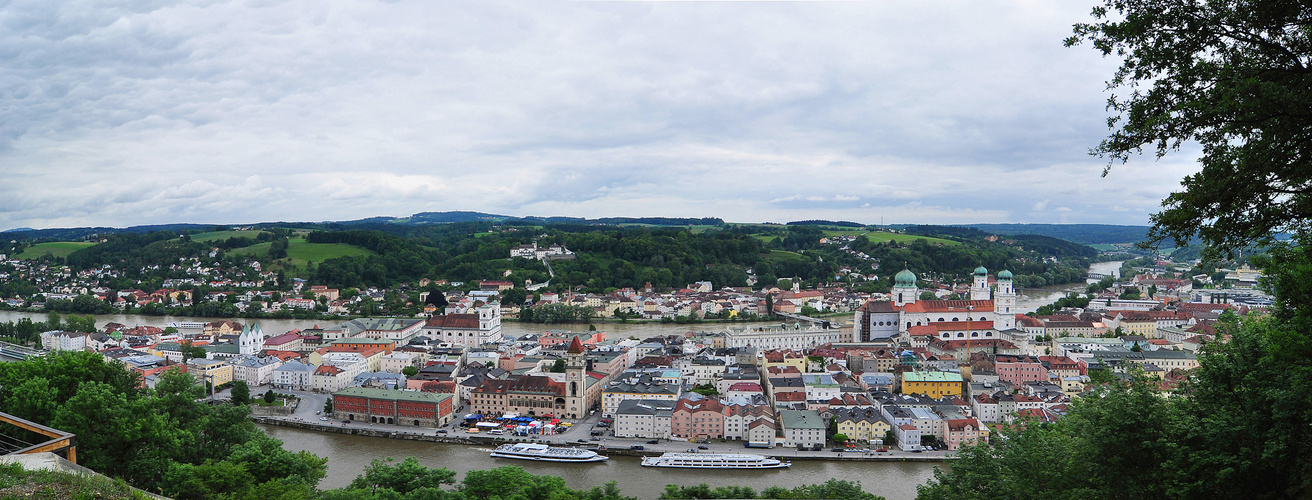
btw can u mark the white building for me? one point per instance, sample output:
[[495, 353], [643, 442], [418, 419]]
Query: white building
[[397, 361], [472, 326], [294, 375], [255, 370], [642, 418], [63, 341], [802, 427], [790, 337]]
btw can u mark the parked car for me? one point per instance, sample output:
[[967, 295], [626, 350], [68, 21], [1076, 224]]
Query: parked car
[[325, 419], [346, 421], [837, 450], [441, 431], [652, 441], [703, 448], [882, 450], [583, 441], [638, 447]]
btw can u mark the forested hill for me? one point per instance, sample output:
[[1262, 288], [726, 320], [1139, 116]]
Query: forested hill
[[1088, 234], [605, 257]]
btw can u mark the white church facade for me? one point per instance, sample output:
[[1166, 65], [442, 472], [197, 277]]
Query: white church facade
[[987, 314]]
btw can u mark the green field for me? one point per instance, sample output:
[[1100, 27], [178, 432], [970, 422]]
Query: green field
[[299, 252], [223, 235], [59, 249], [908, 238]]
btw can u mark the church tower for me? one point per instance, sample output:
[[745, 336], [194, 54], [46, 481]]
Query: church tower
[[251, 340], [1004, 303], [979, 290], [576, 387], [904, 288]]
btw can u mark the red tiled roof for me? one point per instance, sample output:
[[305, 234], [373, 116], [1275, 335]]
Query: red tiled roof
[[469, 321]]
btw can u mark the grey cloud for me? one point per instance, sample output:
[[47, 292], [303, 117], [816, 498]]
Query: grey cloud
[[933, 112]]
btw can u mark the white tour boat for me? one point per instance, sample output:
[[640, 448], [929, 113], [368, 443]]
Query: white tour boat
[[542, 452], [714, 461]]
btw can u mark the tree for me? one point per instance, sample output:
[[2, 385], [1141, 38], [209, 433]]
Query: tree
[[269, 396], [840, 438], [328, 406], [409, 371], [403, 477], [558, 366], [1231, 76], [241, 393]]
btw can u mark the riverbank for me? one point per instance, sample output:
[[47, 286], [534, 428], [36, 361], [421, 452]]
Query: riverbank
[[616, 451]]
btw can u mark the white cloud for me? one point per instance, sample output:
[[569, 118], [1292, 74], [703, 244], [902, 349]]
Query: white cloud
[[218, 111]]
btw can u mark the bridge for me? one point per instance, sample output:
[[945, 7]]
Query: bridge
[[1099, 276], [19, 352]]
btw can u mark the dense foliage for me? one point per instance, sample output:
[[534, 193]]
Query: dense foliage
[[164, 439], [1230, 76]]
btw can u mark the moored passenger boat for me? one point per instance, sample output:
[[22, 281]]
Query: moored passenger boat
[[542, 452], [714, 461]]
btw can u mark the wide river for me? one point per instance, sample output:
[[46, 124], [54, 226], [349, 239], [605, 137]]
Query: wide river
[[349, 455]]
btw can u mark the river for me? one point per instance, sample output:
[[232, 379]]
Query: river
[[349, 455], [1029, 299]]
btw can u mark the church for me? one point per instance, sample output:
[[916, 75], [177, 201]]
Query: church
[[986, 315]]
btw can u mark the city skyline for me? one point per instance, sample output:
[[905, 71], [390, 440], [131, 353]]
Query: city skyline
[[946, 112]]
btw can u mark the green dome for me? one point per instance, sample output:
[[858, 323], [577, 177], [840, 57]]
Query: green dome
[[1004, 275], [905, 278], [980, 271]]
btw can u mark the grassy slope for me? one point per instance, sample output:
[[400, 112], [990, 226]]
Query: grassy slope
[[55, 248], [223, 235], [15, 482], [300, 252]]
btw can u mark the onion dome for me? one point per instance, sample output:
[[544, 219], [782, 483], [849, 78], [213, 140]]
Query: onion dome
[[980, 271], [1004, 275], [905, 278]]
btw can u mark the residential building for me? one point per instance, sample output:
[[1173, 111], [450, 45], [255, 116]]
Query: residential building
[[932, 384], [861, 424], [254, 370], [963, 431], [697, 418], [294, 375], [802, 427], [217, 372], [643, 418]]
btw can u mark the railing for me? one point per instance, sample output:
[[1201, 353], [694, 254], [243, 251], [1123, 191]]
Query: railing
[[60, 440]]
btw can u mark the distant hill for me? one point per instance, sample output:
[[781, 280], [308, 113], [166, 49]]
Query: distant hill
[[1088, 234]]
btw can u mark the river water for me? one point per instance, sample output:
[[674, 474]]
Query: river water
[[349, 455]]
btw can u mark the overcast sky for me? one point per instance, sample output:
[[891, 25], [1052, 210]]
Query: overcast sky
[[229, 112]]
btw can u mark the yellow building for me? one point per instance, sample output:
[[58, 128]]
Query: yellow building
[[861, 424], [211, 370], [932, 384]]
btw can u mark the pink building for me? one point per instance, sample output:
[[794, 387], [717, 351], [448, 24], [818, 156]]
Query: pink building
[[556, 338], [1020, 369], [697, 419], [963, 431]]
